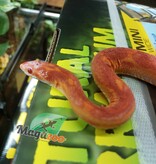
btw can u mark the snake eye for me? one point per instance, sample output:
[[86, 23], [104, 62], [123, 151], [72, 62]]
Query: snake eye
[[29, 70]]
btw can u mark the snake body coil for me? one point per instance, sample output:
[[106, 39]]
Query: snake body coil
[[105, 65]]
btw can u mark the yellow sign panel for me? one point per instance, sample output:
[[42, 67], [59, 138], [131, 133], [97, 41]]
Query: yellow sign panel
[[137, 35]]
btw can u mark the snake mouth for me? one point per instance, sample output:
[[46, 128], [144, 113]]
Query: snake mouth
[[22, 66], [26, 69]]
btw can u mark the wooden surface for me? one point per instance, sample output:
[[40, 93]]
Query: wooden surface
[[60, 3], [55, 3], [151, 3]]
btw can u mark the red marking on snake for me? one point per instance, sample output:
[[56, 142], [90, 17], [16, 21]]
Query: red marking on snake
[[105, 66]]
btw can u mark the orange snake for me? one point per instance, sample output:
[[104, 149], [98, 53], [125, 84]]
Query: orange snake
[[105, 65]]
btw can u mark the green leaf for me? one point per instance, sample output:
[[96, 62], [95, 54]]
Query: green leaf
[[7, 5], [4, 2], [4, 23], [35, 1], [3, 48]]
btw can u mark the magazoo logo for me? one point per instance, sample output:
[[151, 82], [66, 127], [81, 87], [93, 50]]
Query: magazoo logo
[[45, 126]]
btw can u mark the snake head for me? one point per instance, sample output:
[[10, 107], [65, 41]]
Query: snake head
[[47, 72], [32, 68]]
